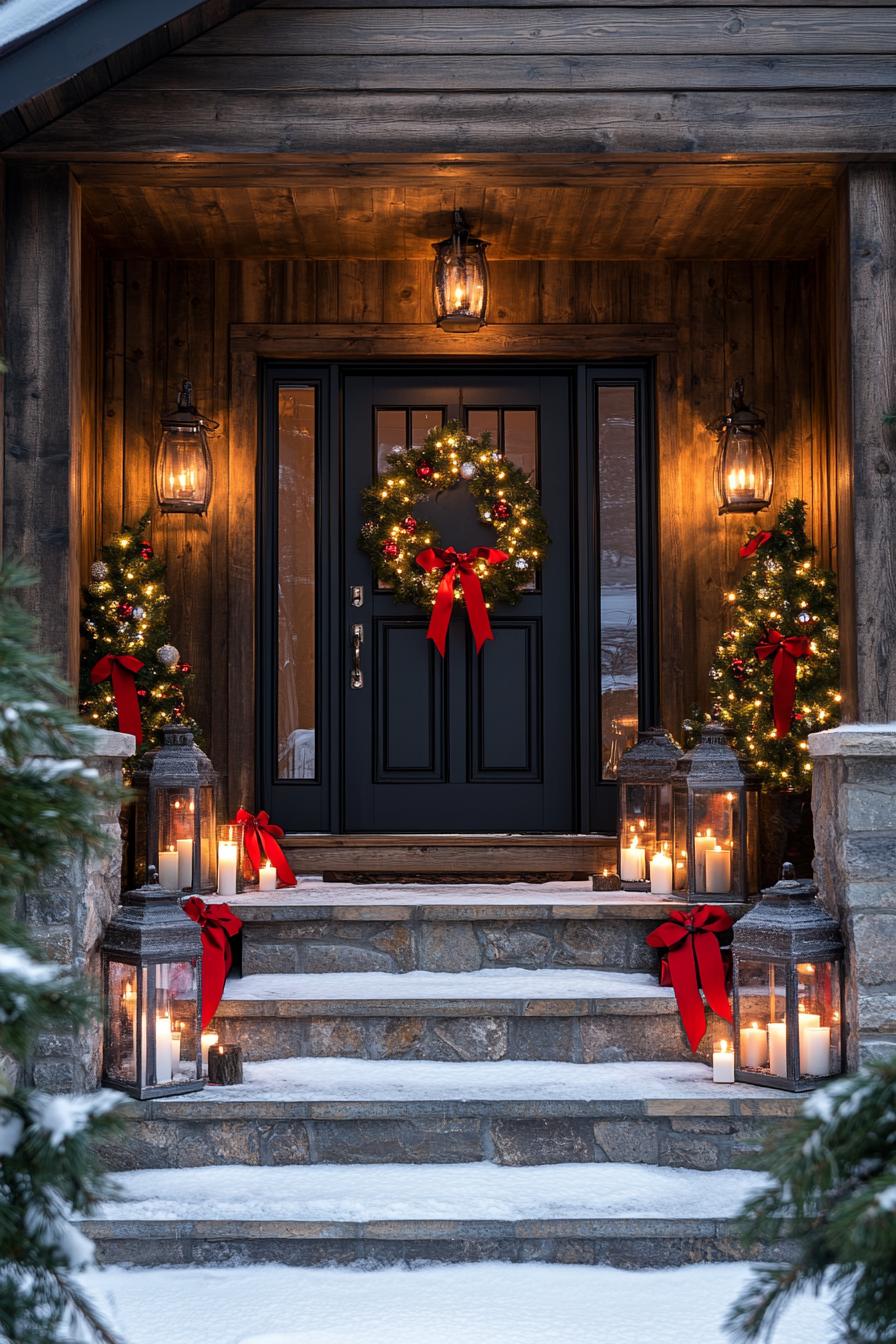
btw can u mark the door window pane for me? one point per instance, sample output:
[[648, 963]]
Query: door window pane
[[421, 423], [296, 590], [391, 433], [520, 444], [484, 422], [616, 458]]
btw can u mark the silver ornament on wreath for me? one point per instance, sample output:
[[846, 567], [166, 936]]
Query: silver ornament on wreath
[[99, 570], [520, 563], [468, 470], [168, 655]]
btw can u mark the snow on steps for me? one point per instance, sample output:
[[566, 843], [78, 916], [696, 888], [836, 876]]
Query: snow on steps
[[609, 1213], [573, 1015]]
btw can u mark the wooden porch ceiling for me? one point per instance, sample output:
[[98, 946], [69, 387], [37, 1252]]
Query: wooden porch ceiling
[[654, 219]]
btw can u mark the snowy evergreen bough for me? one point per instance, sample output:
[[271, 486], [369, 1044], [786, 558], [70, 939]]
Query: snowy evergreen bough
[[48, 1166], [834, 1197]]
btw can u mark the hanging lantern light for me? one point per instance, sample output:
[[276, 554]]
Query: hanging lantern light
[[460, 279], [745, 473], [183, 460]]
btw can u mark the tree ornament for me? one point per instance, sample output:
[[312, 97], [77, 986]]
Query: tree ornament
[[168, 655], [99, 570], [368, 528], [186, 668], [468, 470], [410, 524], [146, 551], [139, 613], [125, 609], [804, 617], [424, 469], [391, 548], [738, 669], [501, 510], [142, 692], [90, 627]]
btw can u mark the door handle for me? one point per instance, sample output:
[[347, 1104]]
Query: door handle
[[357, 677]]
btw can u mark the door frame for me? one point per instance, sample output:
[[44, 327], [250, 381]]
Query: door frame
[[596, 801]]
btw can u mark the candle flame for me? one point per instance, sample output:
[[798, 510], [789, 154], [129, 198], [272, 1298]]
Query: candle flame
[[723, 1047], [755, 1026]]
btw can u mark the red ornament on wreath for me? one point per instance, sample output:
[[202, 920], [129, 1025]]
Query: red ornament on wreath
[[410, 525], [501, 510], [424, 470], [390, 549]]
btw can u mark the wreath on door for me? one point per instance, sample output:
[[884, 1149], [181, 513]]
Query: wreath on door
[[506, 500]]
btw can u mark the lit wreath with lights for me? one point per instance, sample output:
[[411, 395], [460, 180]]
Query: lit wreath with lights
[[505, 499]]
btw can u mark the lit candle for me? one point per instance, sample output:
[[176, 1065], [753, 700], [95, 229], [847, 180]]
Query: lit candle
[[753, 1046], [228, 853], [163, 1049], [815, 1051], [207, 1040], [184, 864], [701, 844], [632, 865], [661, 874], [718, 870], [777, 1049], [723, 1064], [807, 1021], [175, 1049], [169, 868], [267, 877]]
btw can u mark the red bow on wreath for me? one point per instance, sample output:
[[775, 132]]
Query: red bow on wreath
[[752, 546], [217, 924], [690, 940], [784, 651], [260, 833], [459, 565], [123, 669]]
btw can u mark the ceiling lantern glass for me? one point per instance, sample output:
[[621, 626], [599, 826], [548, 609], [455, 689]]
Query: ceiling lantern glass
[[745, 473], [183, 461], [460, 279]]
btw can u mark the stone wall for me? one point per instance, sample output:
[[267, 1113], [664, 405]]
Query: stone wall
[[854, 812], [67, 914]]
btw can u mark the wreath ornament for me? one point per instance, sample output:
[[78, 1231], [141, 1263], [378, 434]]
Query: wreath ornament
[[407, 553]]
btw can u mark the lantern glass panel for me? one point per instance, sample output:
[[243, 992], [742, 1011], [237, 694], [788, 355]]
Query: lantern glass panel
[[168, 1020], [762, 1006], [819, 1014], [207, 851], [184, 470], [639, 814], [716, 821], [745, 470], [120, 1057], [234, 868], [751, 806]]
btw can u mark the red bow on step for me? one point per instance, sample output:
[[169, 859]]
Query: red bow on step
[[261, 833], [459, 565], [123, 669], [752, 546], [690, 940], [218, 924], [784, 652]]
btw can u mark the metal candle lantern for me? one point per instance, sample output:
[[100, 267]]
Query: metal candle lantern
[[715, 820], [645, 805], [789, 992], [183, 459], [745, 472], [460, 279], [152, 995], [174, 817]]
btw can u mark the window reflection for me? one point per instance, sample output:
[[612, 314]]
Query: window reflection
[[296, 595], [616, 455]]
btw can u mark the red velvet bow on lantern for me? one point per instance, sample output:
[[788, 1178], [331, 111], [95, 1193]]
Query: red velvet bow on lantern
[[695, 962], [123, 669], [784, 651], [752, 546], [217, 924], [459, 565], [260, 833]]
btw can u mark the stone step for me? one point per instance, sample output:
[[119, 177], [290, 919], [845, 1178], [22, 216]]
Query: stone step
[[512, 1113], [615, 1214], [323, 927], [578, 1016]]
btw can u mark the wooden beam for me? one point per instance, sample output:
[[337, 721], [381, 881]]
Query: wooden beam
[[41, 507], [872, 314], [345, 341]]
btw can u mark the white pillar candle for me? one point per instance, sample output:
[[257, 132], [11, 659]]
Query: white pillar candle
[[807, 1021], [753, 1046], [661, 874], [632, 865], [718, 870], [815, 1051], [163, 1049], [723, 1064], [228, 853], [267, 877], [777, 1049], [184, 864], [169, 869], [701, 844], [208, 1039]]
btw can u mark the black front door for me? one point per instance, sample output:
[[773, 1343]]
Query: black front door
[[471, 742]]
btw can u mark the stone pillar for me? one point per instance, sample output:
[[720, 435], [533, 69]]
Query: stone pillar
[[854, 808], [67, 915]]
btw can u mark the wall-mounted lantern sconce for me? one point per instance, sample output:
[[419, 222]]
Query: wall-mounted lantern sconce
[[745, 473], [460, 279], [183, 461]]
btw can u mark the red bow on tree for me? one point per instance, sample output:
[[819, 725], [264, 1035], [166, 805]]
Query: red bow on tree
[[123, 669], [690, 939], [217, 924], [784, 651], [752, 546], [459, 565], [260, 833]]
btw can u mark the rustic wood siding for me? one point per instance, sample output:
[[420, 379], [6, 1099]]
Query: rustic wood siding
[[161, 318]]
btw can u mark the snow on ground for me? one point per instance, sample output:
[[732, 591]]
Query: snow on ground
[[444, 1304], [498, 1080], [510, 983], [313, 891], [463, 1191]]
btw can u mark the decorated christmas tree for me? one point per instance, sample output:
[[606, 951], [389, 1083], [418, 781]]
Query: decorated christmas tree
[[132, 677], [776, 671]]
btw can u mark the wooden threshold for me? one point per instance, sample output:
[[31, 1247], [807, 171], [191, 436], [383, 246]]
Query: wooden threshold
[[450, 858]]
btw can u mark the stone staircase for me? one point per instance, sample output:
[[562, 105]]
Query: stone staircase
[[445, 1074]]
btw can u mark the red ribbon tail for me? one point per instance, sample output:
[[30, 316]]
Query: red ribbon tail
[[124, 688], [683, 971], [217, 960], [477, 612], [783, 691], [442, 611], [278, 859], [712, 974]]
